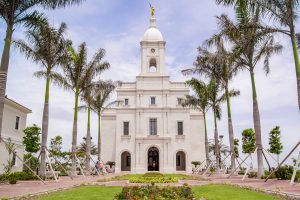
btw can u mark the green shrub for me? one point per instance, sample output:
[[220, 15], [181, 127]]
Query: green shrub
[[21, 176], [111, 163], [196, 163], [252, 175], [144, 179], [12, 179], [153, 174], [284, 173], [155, 193], [212, 169], [242, 171], [267, 173], [3, 178]]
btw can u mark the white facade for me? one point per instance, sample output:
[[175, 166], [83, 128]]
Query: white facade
[[13, 124], [151, 131]]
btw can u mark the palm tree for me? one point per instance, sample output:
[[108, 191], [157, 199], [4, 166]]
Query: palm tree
[[216, 98], [254, 44], [220, 66], [82, 148], [78, 73], [21, 12], [284, 13], [100, 102], [47, 47], [199, 101], [86, 97]]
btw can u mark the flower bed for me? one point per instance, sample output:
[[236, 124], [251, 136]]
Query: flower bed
[[155, 193], [153, 180]]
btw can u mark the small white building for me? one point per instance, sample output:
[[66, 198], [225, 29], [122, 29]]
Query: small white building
[[13, 124], [151, 131]]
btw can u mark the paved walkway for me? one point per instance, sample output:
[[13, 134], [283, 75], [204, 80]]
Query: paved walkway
[[35, 187]]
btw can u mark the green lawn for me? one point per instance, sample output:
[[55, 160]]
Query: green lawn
[[85, 193], [223, 192], [209, 192]]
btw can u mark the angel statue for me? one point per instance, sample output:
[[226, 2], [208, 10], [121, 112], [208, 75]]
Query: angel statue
[[152, 10]]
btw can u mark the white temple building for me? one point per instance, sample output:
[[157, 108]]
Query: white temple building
[[13, 124], [150, 130]]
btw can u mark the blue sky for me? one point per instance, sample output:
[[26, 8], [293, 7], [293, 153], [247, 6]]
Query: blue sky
[[118, 26]]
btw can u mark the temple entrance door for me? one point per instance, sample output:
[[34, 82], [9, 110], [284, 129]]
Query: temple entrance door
[[153, 159]]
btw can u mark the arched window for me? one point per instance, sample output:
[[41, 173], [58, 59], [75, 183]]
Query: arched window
[[153, 65]]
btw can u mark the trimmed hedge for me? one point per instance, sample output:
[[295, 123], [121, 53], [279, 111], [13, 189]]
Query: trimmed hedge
[[286, 172], [17, 176], [153, 180], [156, 193]]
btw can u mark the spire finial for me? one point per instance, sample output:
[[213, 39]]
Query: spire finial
[[152, 10]]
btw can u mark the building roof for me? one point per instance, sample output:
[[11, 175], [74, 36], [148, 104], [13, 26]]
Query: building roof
[[16, 105], [153, 34]]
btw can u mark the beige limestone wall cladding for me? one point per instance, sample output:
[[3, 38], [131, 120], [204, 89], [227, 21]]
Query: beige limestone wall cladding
[[168, 150]]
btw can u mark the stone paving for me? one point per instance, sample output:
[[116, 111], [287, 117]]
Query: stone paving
[[36, 187]]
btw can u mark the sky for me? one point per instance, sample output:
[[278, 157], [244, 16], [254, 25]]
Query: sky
[[118, 26]]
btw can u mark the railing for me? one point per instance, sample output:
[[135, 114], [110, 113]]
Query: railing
[[127, 85], [178, 85]]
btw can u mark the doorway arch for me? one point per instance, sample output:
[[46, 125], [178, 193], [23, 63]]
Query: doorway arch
[[125, 161], [180, 161], [153, 159]]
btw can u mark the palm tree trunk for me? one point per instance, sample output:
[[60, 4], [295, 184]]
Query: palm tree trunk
[[4, 70], [88, 138], [297, 64], [99, 136], [230, 129], [257, 127], [74, 135], [206, 140], [217, 152], [45, 124]]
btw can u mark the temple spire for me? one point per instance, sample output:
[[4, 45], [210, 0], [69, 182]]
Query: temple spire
[[152, 22]]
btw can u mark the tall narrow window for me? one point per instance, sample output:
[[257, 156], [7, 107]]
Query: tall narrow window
[[153, 100], [179, 101], [13, 161], [153, 126], [126, 128], [17, 124], [126, 102], [180, 128]]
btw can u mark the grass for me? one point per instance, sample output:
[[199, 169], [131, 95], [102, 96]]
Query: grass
[[223, 192], [209, 192], [85, 193]]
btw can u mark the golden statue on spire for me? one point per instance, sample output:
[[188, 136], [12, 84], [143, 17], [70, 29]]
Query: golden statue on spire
[[152, 10]]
